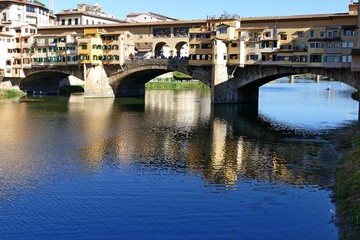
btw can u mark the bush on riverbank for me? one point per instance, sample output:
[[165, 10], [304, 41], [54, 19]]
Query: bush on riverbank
[[11, 93], [181, 76], [356, 96], [347, 194], [175, 85]]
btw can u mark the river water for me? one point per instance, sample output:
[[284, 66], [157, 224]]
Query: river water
[[173, 166]]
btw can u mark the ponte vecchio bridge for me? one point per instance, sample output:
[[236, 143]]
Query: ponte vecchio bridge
[[234, 56]]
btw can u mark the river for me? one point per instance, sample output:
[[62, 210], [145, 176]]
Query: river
[[173, 166]]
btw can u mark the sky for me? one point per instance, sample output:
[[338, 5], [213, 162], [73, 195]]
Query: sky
[[200, 9]]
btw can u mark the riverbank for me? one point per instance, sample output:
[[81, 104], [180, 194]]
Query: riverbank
[[10, 93], [175, 86], [347, 191]]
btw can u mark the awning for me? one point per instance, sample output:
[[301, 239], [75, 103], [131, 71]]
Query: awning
[[144, 47]]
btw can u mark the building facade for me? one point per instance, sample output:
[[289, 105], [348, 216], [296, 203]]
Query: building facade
[[86, 14]]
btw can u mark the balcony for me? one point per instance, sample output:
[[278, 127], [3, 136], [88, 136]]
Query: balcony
[[269, 50], [299, 49]]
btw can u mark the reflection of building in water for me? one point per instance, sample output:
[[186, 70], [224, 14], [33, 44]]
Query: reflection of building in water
[[179, 108], [171, 134]]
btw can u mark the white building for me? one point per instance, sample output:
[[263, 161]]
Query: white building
[[25, 11], [86, 14], [148, 17], [15, 43]]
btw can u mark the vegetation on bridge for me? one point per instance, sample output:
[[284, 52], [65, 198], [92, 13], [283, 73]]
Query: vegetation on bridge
[[347, 194]]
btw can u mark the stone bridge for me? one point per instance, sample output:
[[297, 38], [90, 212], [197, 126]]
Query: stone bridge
[[229, 83]]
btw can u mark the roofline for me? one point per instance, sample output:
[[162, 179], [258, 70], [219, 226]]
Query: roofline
[[296, 17], [90, 15], [26, 3], [128, 24], [152, 13]]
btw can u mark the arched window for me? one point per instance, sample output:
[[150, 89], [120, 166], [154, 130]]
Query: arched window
[[94, 46], [95, 57]]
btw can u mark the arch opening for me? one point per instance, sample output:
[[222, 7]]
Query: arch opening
[[48, 82], [162, 50], [182, 50]]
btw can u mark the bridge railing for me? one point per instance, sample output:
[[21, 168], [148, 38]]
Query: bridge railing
[[162, 62]]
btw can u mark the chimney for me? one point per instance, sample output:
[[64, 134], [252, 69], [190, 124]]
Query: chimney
[[353, 8]]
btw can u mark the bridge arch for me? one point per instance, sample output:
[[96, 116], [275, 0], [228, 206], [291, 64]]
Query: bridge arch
[[131, 81], [249, 79], [182, 49], [48, 81], [162, 49]]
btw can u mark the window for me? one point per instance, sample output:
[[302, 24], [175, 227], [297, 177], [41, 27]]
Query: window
[[346, 58], [69, 21], [30, 8], [322, 34], [62, 21], [223, 30], [347, 44], [234, 45], [315, 58], [312, 34], [76, 21], [253, 57], [349, 32], [301, 34], [332, 59], [233, 56], [83, 47], [316, 45], [283, 37]]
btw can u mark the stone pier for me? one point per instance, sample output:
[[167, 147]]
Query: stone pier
[[96, 83]]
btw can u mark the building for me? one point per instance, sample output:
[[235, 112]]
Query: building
[[25, 11], [55, 49], [101, 47], [86, 14], [19, 22], [320, 40], [148, 17]]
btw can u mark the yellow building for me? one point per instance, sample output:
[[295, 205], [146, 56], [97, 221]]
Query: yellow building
[[101, 47], [90, 48]]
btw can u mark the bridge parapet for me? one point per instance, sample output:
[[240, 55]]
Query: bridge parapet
[[153, 62]]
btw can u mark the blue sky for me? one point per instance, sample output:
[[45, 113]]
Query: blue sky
[[201, 8]]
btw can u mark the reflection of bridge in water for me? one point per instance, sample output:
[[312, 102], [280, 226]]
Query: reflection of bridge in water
[[223, 144]]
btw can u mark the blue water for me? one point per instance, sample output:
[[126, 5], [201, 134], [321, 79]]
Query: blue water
[[171, 167]]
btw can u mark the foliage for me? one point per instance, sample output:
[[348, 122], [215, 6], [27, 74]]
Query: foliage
[[11, 93], [181, 76], [347, 194], [175, 85], [356, 96]]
